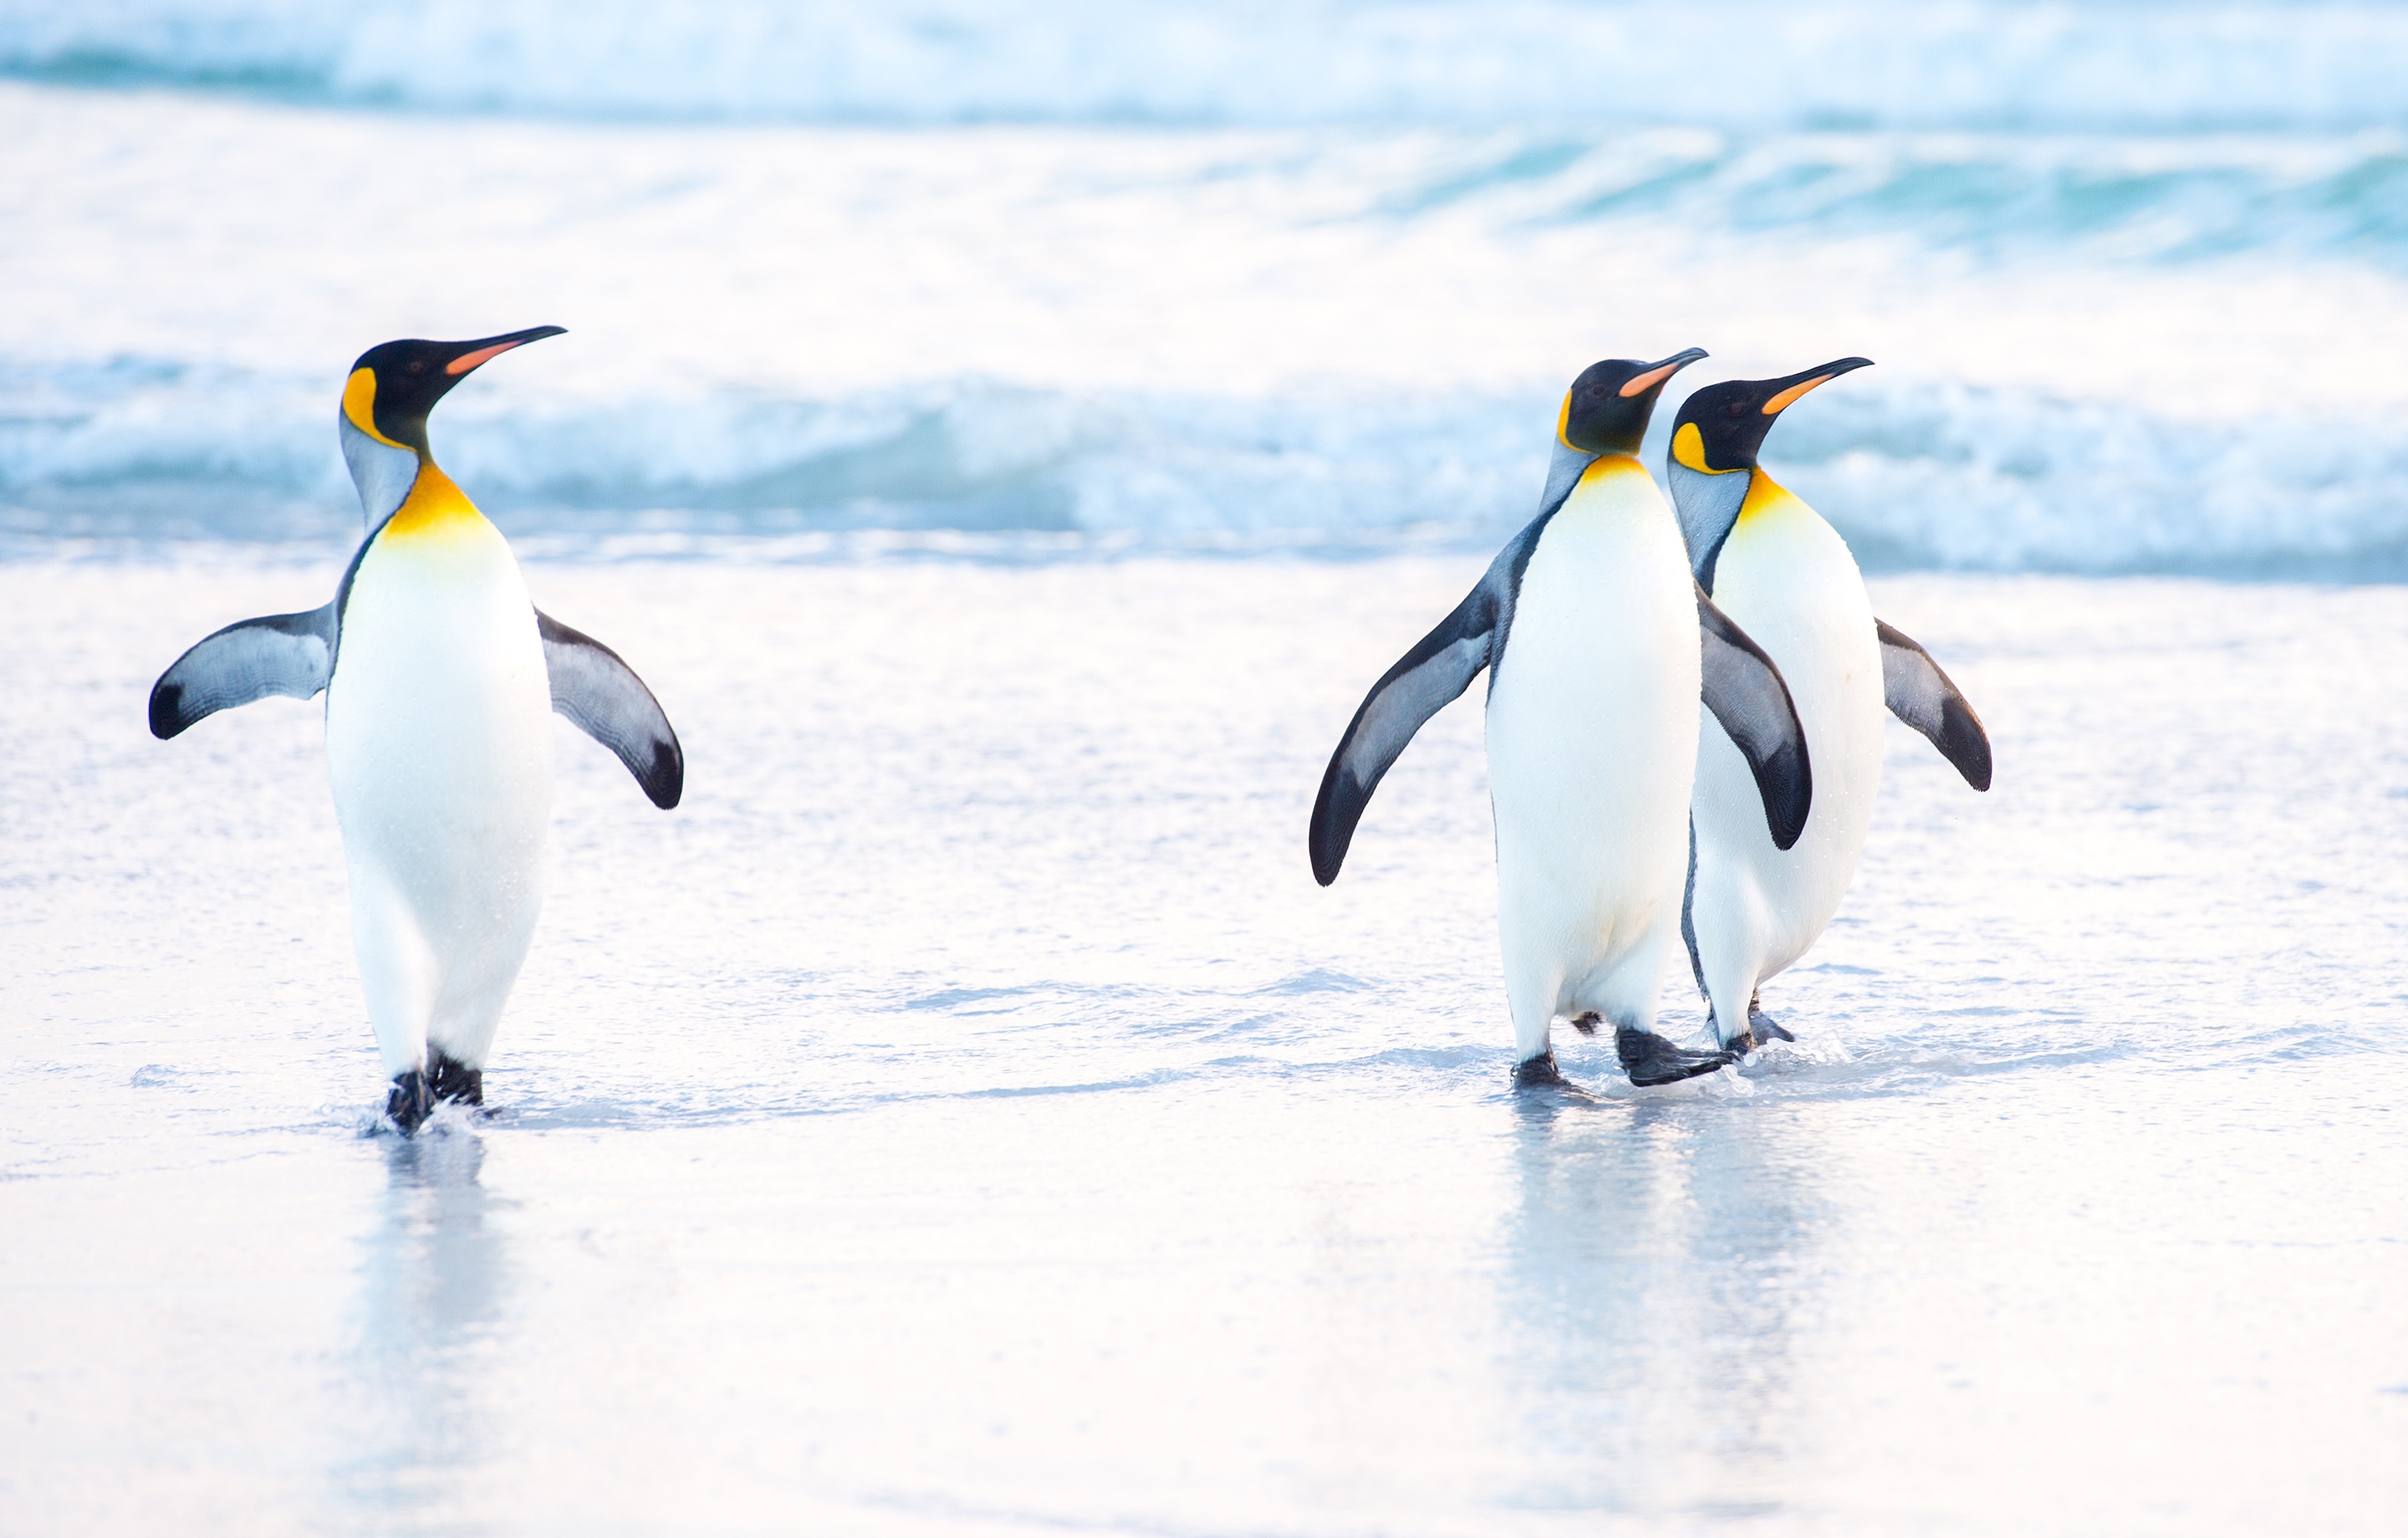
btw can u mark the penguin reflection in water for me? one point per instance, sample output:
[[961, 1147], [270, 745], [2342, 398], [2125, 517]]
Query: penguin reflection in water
[[1598, 645], [440, 679], [1755, 904]]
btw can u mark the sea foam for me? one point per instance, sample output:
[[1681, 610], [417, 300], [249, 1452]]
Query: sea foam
[[1917, 473], [2131, 66], [1332, 334]]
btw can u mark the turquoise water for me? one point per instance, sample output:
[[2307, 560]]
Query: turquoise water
[[1285, 275]]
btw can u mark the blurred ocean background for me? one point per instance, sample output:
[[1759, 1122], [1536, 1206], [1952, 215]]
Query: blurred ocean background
[[1008, 437], [1218, 274]]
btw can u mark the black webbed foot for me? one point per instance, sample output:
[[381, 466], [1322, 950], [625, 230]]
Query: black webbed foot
[[1761, 1029], [1651, 1059], [411, 1102], [449, 1079], [1764, 1028], [1586, 1024], [1539, 1072]]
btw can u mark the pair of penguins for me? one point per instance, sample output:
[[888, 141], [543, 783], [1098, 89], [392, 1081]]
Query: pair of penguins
[[1623, 815], [440, 676]]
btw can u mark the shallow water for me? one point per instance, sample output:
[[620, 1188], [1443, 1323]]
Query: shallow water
[[965, 1115]]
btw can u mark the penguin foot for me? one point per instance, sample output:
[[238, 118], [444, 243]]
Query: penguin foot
[[411, 1102], [1539, 1072], [1586, 1024], [1764, 1028], [1651, 1059], [449, 1079], [1761, 1029]]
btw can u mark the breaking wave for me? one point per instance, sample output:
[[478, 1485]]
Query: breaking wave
[[1916, 474], [1990, 196]]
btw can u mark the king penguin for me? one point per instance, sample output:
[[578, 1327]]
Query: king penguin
[[1598, 646], [1771, 562], [440, 676]]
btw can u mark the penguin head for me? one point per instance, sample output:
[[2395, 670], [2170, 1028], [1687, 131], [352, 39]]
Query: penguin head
[[1606, 409], [382, 419], [1714, 438], [1721, 427], [395, 384]]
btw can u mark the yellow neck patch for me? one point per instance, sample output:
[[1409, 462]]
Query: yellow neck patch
[[1764, 496], [435, 508], [359, 405], [1604, 466]]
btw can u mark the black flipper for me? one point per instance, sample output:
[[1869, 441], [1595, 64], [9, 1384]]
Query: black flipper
[[609, 703], [1425, 681], [1748, 695], [291, 654], [1927, 699], [1652, 1059]]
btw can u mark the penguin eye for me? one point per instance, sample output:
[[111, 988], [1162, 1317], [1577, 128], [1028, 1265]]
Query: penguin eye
[[418, 366], [1735, 409]]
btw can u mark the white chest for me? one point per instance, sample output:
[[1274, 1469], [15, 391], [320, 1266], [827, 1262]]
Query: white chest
[[438, 714], [1592, 721], [1786, 577], [1604, 649]]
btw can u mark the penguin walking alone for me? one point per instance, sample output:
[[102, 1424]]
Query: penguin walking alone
[[440, 676], [1598, 646], [1773, 564]]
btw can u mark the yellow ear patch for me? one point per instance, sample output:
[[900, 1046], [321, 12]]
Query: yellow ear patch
[[359, 405], [1564, 421], [1689, 450]]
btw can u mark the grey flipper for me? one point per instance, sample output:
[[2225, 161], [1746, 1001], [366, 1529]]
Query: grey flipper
[[609, 704], [277, 654], [1748, 695], [1924, 698], [1425, 681]]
